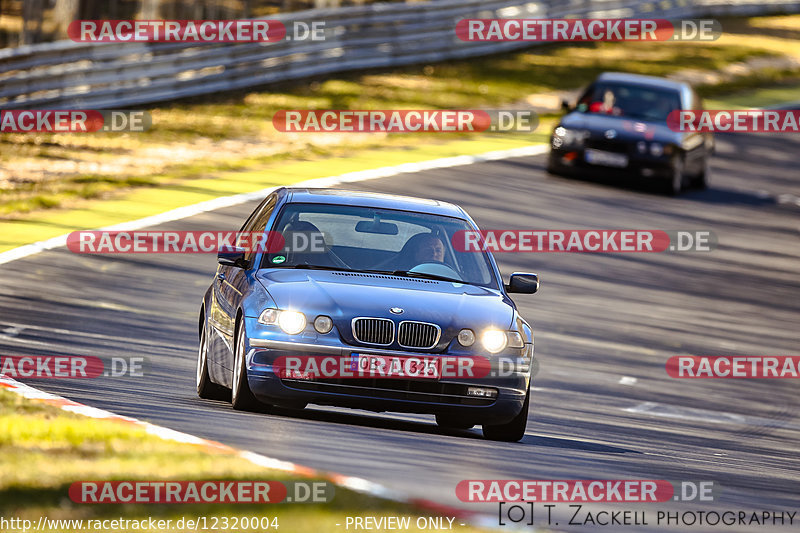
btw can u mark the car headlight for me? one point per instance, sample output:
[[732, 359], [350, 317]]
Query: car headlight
[[323, 324], [494, 340], [656, 149], [291, 322], [567, 136], [466, 337], [642, 147]]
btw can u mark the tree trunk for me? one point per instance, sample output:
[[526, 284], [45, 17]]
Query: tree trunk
[[65, 11], [32, 15], [149, 10]]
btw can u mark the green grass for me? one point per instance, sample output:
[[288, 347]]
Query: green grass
[[142, 202], [223, 144], [43, 450]]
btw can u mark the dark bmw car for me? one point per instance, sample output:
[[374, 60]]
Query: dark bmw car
[[619, 125], [360, 279]]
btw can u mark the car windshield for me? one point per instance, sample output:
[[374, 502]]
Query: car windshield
[[363, 239], [632, 101]]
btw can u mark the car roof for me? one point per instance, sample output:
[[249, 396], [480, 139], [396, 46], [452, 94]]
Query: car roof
[[639, 79], [372, 199]]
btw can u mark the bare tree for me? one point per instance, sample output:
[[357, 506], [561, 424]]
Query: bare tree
[[32, 16], [149, 9], [65, 11]]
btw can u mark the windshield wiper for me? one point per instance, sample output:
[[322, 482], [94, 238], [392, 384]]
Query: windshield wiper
[[412, 274], [404, 273], [338, 269], [321, 267]]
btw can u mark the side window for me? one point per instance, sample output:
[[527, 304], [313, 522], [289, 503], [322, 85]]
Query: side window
[[254, 215], [258, 221], [585, 99]]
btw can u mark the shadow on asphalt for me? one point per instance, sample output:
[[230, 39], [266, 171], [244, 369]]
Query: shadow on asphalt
[[570, 444], [367, 420]]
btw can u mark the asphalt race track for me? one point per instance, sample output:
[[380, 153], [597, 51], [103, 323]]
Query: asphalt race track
[[602, 406]]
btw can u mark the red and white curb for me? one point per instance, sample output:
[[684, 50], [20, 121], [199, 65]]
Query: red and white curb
[[349, 482], [353, 483]]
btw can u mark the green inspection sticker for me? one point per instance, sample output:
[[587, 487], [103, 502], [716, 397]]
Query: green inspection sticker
[[279, 259]]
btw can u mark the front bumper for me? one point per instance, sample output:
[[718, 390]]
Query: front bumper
[[447, 396], [573, 161]]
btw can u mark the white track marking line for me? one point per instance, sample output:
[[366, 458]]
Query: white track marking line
[[75, 333], [237, 199], [705, 415]]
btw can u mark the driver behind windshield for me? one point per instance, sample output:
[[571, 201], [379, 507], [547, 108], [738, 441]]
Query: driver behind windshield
[[607, 105], [429, 249]]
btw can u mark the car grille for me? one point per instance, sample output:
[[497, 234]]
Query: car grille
[[373, 330], [619, 147], [417, 334], [427, 391]]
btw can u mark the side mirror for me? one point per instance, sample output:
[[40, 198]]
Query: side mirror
[[565, 106], [523, 283], [232, 256]]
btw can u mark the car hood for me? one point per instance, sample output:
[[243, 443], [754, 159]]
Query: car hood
[[344, 296], [627, 129]]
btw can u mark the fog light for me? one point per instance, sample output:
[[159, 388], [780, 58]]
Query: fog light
[[482, 392], [656, 149], [323, 324], [466, 337]]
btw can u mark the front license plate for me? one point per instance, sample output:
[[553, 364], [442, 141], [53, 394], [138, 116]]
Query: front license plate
[[606, 159], [391, 366]]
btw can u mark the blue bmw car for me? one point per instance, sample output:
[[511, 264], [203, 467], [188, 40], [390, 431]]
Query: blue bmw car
[[367, 302]]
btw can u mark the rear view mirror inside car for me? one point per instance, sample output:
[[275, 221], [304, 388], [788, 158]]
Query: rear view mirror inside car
[[376, 226]]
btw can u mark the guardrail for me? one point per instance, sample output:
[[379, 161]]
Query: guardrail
[[67, 74]]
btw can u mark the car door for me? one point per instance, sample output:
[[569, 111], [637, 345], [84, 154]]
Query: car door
[[226, 296], [695, 143], [232, 283]]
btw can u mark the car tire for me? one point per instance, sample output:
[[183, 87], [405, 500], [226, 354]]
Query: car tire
[[675, 183], [512, 431], [206, 388], [242, 397], [700, 181], [552, 167], [447, 422]]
